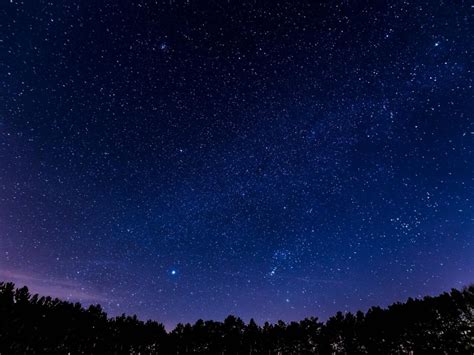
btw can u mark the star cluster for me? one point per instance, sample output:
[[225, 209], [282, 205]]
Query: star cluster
[[275, 160]]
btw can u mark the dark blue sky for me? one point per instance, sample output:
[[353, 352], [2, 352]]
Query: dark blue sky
[[276, 160]]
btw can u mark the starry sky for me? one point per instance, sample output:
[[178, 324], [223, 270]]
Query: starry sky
[[271, 159]]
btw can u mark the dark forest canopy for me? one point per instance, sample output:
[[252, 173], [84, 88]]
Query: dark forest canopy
[[33, 324]]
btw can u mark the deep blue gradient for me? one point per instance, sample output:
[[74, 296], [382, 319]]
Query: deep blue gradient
[[190, 159]]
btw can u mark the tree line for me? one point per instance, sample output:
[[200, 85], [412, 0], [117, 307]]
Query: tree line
[[33, 324]]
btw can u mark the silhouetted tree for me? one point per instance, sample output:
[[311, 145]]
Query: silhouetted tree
[[252, 338], [30, 324]]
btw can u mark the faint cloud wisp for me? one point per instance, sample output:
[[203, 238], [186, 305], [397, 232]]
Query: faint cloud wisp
[[54, 287]]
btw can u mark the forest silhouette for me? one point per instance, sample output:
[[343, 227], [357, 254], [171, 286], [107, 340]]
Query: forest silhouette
[[33, 324]]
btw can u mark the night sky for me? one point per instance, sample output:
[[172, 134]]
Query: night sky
[[270, 159]]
